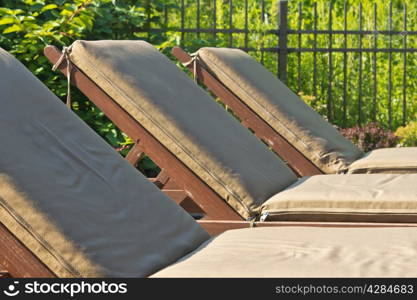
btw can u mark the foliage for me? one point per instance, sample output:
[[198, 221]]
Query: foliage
[[317, 104], [408, 134], [371, 136]]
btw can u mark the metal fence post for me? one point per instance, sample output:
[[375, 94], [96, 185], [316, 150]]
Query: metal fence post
[[283, 38]]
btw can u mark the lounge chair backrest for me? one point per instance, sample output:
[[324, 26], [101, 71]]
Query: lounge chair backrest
[[282, 109], [71, 199], [184, 118]]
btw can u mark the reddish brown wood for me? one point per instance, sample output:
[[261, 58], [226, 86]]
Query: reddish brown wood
[[4, 273], [161, 179], [181, 198], [17, 259], [135, 154], [177, 195], [250, 119], [172, 190], [171, 185], [215, 227], [213, 205]]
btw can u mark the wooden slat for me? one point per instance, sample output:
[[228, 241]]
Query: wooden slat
[[171, 184], [17, 259], [212, 204], [4, 273], [177, 195], [182, 199], [297, 161], [162, 179], [172, 190], [135, 155]]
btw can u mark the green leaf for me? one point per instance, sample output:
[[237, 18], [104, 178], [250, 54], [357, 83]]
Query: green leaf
[[7, 20], [49, 7], [13, 28], [34, 2], [9, 12]]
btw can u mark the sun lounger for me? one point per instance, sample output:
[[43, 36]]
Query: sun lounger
[[308, 143], [70, 199], [70, 206], [239, 174]]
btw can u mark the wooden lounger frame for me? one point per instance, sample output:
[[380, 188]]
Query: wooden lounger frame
[[250, 119], [18, 261], [187, 183], [175, 179]]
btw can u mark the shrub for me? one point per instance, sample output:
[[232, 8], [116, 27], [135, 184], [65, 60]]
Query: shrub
[[408, 135], [317, 104], [371, 136]]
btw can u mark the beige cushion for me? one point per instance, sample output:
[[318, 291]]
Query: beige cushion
[[283, 110], [71, 199], [388, 160], [303, 252], [186, 120], [360, 197]]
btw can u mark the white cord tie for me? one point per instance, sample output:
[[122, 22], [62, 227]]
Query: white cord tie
[[194, 60], [65, 57]]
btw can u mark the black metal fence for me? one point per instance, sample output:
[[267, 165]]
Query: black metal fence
[[284, 31]]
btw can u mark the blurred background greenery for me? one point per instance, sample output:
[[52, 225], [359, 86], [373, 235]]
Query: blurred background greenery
[[26, 26]]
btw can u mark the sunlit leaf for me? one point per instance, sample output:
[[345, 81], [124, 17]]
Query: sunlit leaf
[[7, 20], [49, 7], [13, 28]]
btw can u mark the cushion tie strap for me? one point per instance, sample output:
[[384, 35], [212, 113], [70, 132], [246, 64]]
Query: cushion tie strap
[[65, 56], [194, 59]]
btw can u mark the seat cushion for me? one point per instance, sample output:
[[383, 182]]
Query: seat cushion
[[283, 110], [358, 197], [387, 160], [71, 199], [303, 252], [184, 118]]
